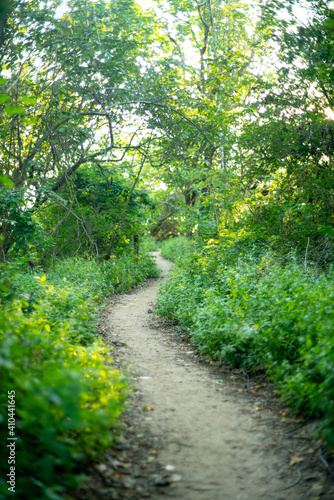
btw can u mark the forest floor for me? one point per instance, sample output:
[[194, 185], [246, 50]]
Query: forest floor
[[194, 430]]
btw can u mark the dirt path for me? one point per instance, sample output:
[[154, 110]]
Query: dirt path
[[215, 447]]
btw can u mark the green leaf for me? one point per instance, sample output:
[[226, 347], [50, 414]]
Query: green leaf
[[28, 120], [2, 80], [14, 110], [28, 100], [4, 98], [5, 181]]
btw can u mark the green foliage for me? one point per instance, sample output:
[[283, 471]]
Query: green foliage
[[55, 120], [92, 222], [267, 165], [5, 181], [73, 289], [67, 402], [148, 244], [244, 161], [17, 223], [125, 272], [253, 311], [67, 398], [173, 248]]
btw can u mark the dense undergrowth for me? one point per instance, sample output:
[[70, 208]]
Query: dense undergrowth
[[242, 305], [67, 399]]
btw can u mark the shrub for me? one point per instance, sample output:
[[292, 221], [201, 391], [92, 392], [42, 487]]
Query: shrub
[[127, 271], [250, 310], [174, 248], [67, 403], [148, 244], [67, 398]]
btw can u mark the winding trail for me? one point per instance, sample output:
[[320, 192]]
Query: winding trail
[[218, 450]]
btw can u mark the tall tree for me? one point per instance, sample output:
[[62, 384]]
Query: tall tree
[[286, 150], [63, 99], [206, 67]]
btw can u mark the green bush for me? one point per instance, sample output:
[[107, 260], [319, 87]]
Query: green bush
[[74, 288], [125, 272], [66, 403], [148, 244], [67, 398], [174, 248], [253, 311]]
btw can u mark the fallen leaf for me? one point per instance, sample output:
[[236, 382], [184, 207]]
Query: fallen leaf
[[260, 408], [317, 487], [295, 460], [148, 408], [125, 466]]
